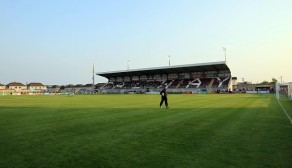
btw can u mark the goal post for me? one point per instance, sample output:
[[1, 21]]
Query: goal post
[[284, 89], [290, 90], [277, 90]]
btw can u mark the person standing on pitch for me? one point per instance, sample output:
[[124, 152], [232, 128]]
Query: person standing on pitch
[[163, 94]]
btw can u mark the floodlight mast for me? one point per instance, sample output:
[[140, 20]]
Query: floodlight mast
[[169, 60], [224, 49], [93, 72]]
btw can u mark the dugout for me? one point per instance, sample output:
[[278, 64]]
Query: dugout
[[246, 87], [264, 89]]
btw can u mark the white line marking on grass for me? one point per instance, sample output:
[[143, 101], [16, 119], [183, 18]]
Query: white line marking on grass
[[286, 113]]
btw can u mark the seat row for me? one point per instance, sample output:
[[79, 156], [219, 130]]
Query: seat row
[[175, 83]]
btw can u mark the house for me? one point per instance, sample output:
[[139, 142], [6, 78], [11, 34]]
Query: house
[[54, 89], [2, 87], [36, 87], [16, 87], [83, 89], [69, 88]]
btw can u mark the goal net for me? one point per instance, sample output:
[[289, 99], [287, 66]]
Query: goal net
[[284, 90]]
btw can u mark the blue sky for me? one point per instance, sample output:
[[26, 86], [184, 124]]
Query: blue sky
[[57, 41]]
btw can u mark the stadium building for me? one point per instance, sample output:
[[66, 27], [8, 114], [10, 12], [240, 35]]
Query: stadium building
[[191, 78]]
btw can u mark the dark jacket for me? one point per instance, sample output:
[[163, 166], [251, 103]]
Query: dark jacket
[[163, 92]]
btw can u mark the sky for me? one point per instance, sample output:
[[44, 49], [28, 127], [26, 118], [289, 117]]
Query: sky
[[58, 41]]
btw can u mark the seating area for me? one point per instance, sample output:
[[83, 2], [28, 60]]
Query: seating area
[[109, 85], [198, 83], [191, 78]]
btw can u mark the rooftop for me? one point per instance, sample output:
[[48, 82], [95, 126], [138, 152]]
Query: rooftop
[[211, 66]]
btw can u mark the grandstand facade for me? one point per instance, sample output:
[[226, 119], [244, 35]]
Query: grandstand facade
[[191, 78]]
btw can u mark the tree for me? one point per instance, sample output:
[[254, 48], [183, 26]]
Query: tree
[[274, 80], [265, 82]]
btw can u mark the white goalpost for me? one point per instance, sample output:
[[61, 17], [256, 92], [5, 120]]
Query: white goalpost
[[284, 89], [284, 93]]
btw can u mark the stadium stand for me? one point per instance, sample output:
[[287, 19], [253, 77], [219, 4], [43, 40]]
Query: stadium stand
[[195, 78]]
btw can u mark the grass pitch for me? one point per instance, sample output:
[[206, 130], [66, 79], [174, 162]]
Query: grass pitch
[[132, 131]]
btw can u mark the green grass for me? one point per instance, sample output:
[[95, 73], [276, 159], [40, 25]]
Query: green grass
[[131, 131]]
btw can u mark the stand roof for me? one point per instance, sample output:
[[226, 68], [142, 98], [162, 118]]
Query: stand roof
[[202, 67]]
